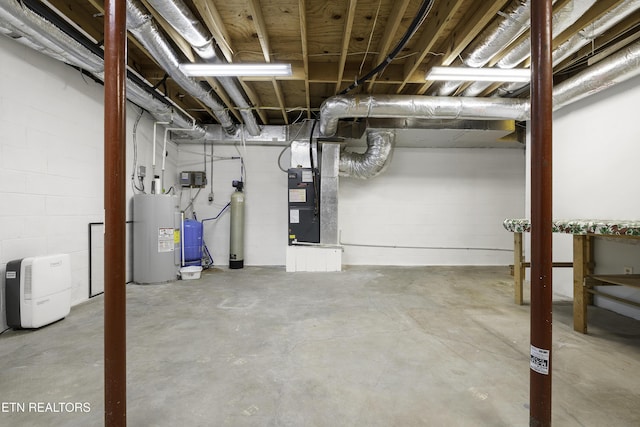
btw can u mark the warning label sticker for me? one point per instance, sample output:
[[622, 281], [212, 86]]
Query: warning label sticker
[[165, 239], [539, 360]]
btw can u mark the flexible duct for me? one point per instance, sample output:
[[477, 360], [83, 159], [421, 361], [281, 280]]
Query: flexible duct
[[141, 25], [620, 67], [501, 32], [562, 19], [373, 161], [180, 17], [24, 21], [417, 106], [582, 38]]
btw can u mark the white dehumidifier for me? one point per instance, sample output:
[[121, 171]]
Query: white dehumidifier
[[37, 290]]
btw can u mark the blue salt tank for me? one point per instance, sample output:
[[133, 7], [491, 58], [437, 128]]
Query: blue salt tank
[[192, 242]]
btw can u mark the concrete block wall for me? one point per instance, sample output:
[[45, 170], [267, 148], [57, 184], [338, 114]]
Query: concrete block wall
[[51, 160]]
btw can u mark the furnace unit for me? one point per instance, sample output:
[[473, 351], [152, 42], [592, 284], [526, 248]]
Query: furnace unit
[[304, 205]]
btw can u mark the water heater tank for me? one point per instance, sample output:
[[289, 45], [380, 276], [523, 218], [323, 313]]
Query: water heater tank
[[156, 243]]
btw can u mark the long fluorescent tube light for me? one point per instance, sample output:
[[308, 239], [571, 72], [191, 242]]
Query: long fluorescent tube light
[[479, 74], [236, 70]]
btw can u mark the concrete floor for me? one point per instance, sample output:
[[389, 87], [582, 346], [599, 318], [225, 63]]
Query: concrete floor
[[369, 346]]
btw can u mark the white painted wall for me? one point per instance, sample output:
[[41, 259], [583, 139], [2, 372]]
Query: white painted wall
[[265, 200], [595, 170], [434, 198], [51, 160], [427, 198]]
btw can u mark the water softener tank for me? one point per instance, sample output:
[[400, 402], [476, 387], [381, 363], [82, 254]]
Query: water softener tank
[[192, 242], [236, 241]]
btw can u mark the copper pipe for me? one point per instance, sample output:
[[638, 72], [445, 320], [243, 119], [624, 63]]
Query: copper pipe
[[541, 213], [115, 356]]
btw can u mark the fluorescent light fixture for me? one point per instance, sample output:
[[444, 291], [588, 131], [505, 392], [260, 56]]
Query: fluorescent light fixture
[[479, 74], [236, 70]]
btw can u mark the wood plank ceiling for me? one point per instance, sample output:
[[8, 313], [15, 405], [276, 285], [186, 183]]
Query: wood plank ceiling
[[331, 43]]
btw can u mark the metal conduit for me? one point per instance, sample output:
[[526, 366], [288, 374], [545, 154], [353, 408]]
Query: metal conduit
[[180, 17]]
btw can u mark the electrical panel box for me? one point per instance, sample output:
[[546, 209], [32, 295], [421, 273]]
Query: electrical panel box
[[304, 205], [196, 179]]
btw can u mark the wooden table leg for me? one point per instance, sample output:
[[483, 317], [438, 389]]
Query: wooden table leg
[[518, 267], [580, 271]]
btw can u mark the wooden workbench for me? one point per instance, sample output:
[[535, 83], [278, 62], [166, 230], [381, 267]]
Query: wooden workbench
[[584, 281]]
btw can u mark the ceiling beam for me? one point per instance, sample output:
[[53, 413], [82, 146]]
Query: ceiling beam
[[302, 8], [465, 33], [215, 24], [430, 36], [393, 23], [348, 27], [261, 30]]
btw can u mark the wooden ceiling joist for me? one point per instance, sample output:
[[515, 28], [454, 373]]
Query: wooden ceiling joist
[[348, 27]]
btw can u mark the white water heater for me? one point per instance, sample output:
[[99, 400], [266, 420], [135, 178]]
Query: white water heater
[[37, 290]]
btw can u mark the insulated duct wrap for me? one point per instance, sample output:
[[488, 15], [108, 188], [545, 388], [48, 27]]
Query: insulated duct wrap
[[416, 106], [562, 19], [373, 161], [582, 38], [180, 17], [141, 25], [39, 31], [501, 32], [620, 67]]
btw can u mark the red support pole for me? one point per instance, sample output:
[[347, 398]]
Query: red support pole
[[541, 213], [115, 355]]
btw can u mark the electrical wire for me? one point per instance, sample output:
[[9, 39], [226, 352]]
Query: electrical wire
[[135, 155], [373, 28], [288, 146], [425, 7], [219, 213], [314, 177]]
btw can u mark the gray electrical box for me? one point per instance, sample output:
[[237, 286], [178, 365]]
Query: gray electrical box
[[304, 205], [196, 179]]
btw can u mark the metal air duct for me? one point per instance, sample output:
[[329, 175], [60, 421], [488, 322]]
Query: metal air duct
[[417, 106], [180, 17], [373, 161], [141, 25]]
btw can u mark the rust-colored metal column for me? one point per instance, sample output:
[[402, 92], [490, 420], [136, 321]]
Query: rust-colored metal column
[[541, 213], [115, 349]]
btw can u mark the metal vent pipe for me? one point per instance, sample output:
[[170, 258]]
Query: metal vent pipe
[[180, 17], [141, 25]]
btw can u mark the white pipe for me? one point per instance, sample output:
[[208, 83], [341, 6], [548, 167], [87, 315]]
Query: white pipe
[[164, 147], [182, 239], [153, 161]]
